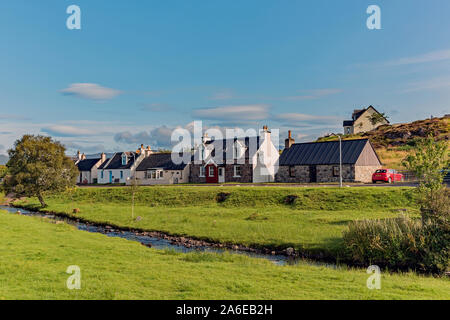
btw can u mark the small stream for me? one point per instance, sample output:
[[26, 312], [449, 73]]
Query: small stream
[[156, 243]]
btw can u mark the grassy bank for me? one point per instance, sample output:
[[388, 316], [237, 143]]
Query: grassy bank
[[252, 216], [35, 255]]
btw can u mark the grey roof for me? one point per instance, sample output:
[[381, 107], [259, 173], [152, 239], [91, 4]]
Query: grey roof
[[224, 143], [348, 123], [102, 166], [116, 161], [87, 164], [159, 160], [316, 153]]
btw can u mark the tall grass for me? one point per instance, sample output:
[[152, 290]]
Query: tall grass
[[402, 243]]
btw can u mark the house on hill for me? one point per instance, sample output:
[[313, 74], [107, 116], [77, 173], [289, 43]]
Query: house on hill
[[240, 160], [319, 161], [361, 121], [158, 168]]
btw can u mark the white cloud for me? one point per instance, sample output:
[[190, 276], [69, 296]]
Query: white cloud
[[222, 95], [313, 94], [301, 117], [430, 84], [91, 91], [230, 113], [68, 131], [433, 56]]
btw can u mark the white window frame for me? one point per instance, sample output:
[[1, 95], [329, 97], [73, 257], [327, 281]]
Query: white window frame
[[209, 171], [235, 175], [202, 171]]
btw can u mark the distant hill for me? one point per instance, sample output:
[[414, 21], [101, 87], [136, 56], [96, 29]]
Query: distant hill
[[3, 159], [394, 142]]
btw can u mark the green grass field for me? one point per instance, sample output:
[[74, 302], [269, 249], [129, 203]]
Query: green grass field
[[253, 216], [35, 254]]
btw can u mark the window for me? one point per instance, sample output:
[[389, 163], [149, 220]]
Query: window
[[161, 174], [124, 159], [202, 153], [291, 171], [121, 174], [101, 174], [211, 171], [237, 171], [202, 171], [336, 171]]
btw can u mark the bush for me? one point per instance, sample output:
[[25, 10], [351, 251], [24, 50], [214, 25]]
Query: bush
[[401, 243]]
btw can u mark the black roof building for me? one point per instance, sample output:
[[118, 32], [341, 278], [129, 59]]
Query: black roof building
[[87, 164], [116, 161], [327, 153], [159, 161]]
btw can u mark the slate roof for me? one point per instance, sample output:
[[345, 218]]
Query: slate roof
[[159, 160], [245, 142], [317, 153], [116, 161], [102, 166], [348, 123], [87, 164]]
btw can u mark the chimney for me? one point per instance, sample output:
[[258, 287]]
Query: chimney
[[83, 157], [148, 151], [289, 141], [103, 157], [78, 155], [205, 138]]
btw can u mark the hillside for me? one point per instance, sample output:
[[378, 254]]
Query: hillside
[[394, 142]]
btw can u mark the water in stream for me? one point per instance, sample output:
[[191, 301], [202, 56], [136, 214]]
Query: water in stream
[[155, 243]]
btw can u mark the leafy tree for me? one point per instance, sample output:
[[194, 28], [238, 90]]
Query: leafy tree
[[428, 162], [3, 171], [377, 118], [38, 165]]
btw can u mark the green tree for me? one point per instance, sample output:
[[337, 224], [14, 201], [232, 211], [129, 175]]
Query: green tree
[[3, 171], [37, 166], [427, 163], [377, 118]]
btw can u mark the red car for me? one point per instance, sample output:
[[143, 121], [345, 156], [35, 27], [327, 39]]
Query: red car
[[387, 175]]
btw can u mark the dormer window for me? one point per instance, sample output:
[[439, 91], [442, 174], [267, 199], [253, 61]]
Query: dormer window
[[238, 150], [124, 159]]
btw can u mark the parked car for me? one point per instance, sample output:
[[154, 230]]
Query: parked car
[[387, 175]]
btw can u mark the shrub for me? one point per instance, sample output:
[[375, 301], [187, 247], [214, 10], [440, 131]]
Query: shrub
[[401, 243], [222, 196]]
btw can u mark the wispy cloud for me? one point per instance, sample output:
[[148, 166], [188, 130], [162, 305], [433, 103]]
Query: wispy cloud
[[156, 107], [430, 84], [433, 56], [234, 113], [68, 131], [312, 94], [222, 95], [91, 91], [301, 118]]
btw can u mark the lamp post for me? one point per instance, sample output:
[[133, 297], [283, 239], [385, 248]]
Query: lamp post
[[133, 186], [340, 158]]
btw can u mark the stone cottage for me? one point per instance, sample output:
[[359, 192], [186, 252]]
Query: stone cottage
[[158, 168], [361, 121], [319, 161], [240, 160]]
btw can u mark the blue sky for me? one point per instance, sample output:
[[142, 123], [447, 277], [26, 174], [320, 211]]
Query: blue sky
[[138, 69]]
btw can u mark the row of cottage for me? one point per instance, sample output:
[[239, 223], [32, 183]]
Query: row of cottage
[[246, 160]]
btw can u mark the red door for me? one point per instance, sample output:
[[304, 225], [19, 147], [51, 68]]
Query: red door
[[211, 174]]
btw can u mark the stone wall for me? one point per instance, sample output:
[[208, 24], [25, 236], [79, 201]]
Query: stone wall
[[325, 173], [301, 174], [194, 176], [246, 173], [364, 173]]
